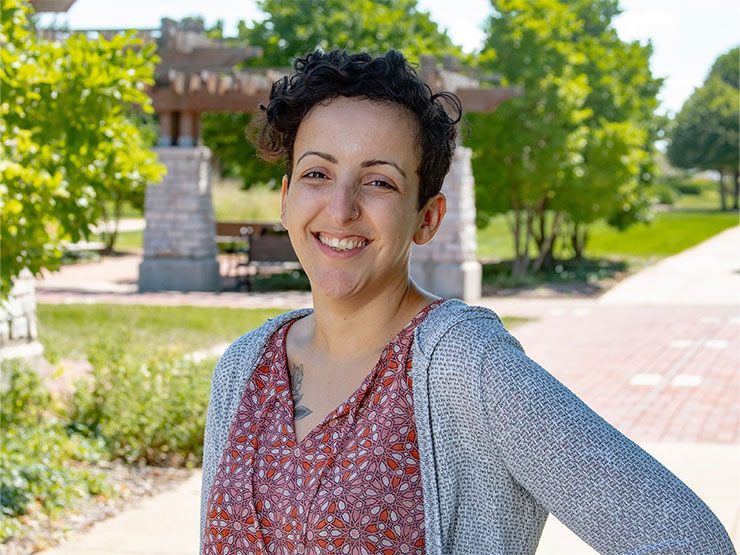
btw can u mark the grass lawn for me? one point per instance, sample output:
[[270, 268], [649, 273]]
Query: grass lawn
[[669, 233], [129, 241], [707, 199], [231, 202], [68, 330]]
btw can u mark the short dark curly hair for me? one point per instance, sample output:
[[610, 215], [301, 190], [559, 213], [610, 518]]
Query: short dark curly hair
[[322, 76]]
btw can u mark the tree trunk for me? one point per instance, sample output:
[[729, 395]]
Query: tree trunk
[[521, 260], [736, 196], [545, 254], [575, 243], [722, 198], [110, 232], [578, 239], [540, 233]]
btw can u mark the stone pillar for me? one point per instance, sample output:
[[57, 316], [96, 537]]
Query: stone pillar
[[165, 129], [18, 320], [448, 265], [187, 129], [180, 236]]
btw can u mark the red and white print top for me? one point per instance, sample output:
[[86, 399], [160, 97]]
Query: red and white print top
[[352, 485]]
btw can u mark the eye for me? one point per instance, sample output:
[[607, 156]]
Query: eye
[[381, 183], [314, 174]]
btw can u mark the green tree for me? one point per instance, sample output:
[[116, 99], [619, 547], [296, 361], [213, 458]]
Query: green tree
[[577, 145], [70, 144], [619, 146], [293, 29], [234, 155], [705, 131]]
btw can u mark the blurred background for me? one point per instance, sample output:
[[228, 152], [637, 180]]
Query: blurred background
[[140, 233]]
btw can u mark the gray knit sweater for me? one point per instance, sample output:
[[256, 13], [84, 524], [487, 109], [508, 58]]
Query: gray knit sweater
[[501, 444]]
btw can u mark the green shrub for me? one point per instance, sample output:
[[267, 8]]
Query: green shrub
[[40, 461], [690, 186], [664, 194], [147, 409]]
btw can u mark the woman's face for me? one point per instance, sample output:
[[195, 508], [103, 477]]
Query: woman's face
[[351, 208]]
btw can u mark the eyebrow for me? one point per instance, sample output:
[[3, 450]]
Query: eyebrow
[[325, 156], [370, 163], [365, 164]]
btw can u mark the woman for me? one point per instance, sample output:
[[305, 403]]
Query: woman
[[386, 419]]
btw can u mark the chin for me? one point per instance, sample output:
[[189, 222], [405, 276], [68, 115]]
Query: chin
[[335, 285]]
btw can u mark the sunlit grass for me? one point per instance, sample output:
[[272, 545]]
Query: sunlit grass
[[257, 204], [185, 328], [669, 233]]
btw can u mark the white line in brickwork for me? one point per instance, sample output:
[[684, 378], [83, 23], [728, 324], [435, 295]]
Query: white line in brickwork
[[716, 343], [581, 311], [735, 320], [686, 380], [556, 311], [709, 320], [681, 343], [646, 379]]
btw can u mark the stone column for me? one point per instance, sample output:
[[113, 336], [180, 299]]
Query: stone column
[[187, 129], [165, 129], [180, 236], [448, 265], [18, 320]]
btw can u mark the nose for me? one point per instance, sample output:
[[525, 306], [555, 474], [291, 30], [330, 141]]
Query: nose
[[342, 203]]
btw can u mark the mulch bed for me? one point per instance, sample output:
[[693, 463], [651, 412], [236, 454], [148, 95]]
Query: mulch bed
[[131, 484]]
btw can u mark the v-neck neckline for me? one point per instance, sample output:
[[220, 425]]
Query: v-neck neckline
[[361, 390]]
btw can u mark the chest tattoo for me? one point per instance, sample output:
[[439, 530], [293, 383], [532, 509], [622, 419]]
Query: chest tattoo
[[296, 381]]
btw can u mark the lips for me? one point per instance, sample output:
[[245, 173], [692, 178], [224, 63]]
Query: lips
[[343, 244]]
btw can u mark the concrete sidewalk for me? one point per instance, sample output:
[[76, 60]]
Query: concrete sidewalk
[[707, 274], [658, 356]]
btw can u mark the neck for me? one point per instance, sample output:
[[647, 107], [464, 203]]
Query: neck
[[348, 329]]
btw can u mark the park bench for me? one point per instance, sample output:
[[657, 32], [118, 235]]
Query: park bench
[[256, 248]]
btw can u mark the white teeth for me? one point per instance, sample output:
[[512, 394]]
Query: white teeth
[[343, 244]]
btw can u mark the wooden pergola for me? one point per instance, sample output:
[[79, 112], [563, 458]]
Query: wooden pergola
[[197, 75]]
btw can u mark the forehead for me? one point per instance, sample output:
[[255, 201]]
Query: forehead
[[360, 127]]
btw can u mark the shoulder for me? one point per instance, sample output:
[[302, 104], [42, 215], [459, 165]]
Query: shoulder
[[455, 327], [468, 346]]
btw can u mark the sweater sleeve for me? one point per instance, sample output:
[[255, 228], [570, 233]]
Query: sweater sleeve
[[596, 481], [214, 422]]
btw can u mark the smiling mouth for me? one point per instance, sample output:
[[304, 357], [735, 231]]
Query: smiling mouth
[[342, 245]]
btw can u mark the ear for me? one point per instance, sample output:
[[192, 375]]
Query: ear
[[429, 219], [284, 193]]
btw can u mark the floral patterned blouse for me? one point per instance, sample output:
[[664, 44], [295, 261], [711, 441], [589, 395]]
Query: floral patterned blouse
[[352, 485]]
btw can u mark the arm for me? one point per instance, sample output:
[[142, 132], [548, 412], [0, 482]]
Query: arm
[[600, 484]]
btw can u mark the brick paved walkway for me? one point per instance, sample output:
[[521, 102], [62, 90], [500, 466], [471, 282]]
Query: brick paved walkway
[[656, 373]]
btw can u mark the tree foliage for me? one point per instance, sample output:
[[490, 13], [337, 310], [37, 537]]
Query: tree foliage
[[234, 155], [577, 145], [705, 132], [70, 140], [293, 29]]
